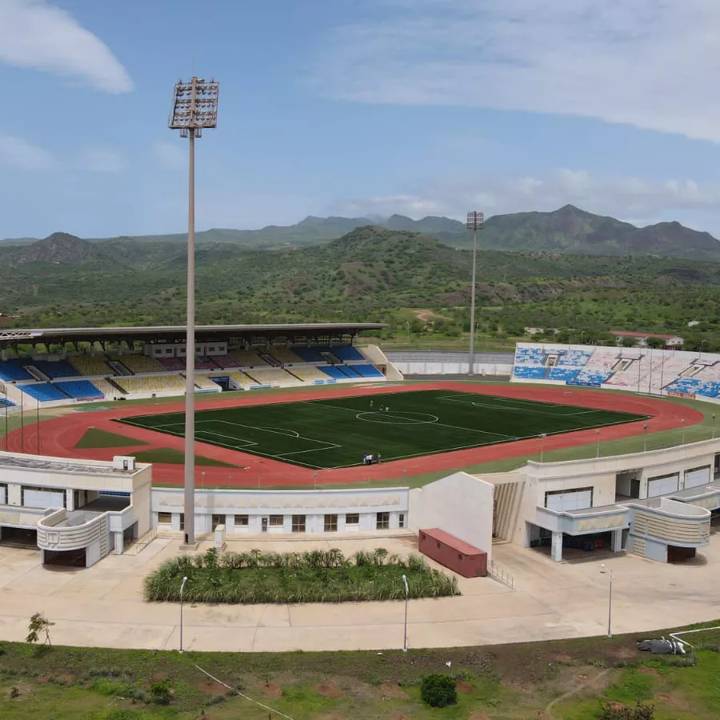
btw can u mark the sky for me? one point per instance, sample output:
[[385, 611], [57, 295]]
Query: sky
[[358, 108]]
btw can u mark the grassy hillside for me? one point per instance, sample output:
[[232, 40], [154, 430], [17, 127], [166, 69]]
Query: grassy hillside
[[416, 283]]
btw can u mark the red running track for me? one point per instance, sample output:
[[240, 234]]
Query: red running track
[[60, 435]]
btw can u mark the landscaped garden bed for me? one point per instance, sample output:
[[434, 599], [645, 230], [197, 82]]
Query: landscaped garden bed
[[316, 576]]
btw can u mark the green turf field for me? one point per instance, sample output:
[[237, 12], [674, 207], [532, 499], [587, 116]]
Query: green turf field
[[335, 433]]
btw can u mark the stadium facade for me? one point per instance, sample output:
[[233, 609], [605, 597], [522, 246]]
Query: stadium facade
[[658, 503]]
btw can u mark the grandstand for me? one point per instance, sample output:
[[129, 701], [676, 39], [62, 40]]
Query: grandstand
[[146, 362], [669, 372], [149, 385]]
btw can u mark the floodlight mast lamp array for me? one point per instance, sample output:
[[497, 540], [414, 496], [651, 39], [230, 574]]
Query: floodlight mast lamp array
[[475, 221], [195, 106]]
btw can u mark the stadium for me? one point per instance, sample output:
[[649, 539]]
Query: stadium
[[304, 431]]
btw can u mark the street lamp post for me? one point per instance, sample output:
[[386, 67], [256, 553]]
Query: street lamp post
[[597, 443], [194, 108], [606, 571], [542, 437], [713, 430], [407, 595], [474, 222], [182, 590], [645, 428]]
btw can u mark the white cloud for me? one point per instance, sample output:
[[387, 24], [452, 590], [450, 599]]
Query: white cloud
[[103, 160], [18, 153], [646, 63], [170, 155], [35, 34], [627, 197]]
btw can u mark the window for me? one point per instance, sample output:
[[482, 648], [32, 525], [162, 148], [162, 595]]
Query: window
[[165, 518], [383, 521], [331, 523], [298, 523], [401, 520], [574, 499], [352, 518], [242, 520], [276, 520], [182, 520], [217, 520]]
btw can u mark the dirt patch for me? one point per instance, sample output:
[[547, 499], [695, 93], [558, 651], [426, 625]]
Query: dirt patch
[[388, 691], [479, 716], [649, 671], [208, 687], [679, 703], [272, 690], [329, 690], [464, 687]]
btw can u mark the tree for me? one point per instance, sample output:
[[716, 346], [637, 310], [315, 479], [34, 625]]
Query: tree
[[38, 626], [628, 342], [438, 690], [655, 343]]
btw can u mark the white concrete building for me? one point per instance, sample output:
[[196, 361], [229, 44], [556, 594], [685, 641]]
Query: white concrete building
[[76, 510]]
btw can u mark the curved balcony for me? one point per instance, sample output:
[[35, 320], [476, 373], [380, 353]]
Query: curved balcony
[[61, 530]]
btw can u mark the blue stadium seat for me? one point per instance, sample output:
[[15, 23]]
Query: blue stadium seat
[[367, 371], [346, 352], [334, 371], [4, 402], [44, 392], [80, 389], [310, 354], [14, 370], [54, 368]]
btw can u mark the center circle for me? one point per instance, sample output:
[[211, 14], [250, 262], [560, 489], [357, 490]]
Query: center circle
[[397, 418]]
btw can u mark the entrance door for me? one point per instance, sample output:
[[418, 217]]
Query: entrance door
[[264, 524]]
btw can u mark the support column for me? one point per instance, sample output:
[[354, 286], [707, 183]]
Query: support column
[[557, 546], [69, 499], [119, 543], [617, 540]]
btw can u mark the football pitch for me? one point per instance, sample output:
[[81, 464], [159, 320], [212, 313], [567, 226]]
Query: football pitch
[[334, 433]]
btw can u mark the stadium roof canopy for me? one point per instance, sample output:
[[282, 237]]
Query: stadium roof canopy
[[176, 333]]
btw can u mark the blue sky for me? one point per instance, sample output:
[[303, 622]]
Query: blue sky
[[358, 107]]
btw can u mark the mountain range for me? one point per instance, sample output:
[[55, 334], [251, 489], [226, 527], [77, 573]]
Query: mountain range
[[566, 230]]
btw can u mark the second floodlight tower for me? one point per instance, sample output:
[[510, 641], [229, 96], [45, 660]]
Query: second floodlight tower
[[475, 220], [195, 105]]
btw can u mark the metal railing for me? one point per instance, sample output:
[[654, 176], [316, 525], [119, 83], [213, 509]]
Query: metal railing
[[501, 575]]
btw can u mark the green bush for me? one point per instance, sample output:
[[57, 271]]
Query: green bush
[[438, 690], [614, 711], [161, 693], [317, 576]]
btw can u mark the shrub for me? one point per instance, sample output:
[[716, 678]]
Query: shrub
[[160, 692], [614, 711], [315, 576], [438, 690]]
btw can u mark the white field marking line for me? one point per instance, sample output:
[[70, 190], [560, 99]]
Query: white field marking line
[[440, 451], [276, 432], [508, 406], [243, 696], [437, 424], [410, 421], [247, 443], [298, 452]]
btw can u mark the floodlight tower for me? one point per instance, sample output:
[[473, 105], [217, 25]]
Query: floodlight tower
[[475, 220], [194, 107]]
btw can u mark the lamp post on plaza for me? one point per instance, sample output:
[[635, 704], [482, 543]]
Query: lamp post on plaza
[[195, 106], [475, 221], [407, 595], [606, 571], [542, 437], [182, 590]]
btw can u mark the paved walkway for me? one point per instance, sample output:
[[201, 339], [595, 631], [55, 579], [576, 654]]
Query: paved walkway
[[103, 605]]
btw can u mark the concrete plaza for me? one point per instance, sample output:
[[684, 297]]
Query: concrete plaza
[[103, 605]]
